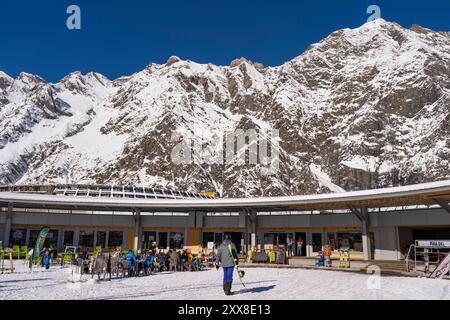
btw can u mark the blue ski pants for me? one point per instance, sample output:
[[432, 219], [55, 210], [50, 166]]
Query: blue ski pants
[[228, 275]]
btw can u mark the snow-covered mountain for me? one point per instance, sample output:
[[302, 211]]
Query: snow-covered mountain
[[364, 108]]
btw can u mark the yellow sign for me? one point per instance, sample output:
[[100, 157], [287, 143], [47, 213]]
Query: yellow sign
[[211, 194]]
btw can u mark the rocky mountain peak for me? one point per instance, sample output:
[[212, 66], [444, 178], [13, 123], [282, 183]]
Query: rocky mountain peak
[[5, 80], [172, 60], [363, 108]]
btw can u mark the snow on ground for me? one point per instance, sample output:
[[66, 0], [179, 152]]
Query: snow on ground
[[261, 283]]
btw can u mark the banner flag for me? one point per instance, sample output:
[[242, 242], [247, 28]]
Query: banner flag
[[40, 242]]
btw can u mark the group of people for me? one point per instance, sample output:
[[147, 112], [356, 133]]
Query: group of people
[[46, 255], [294, 248], [152, 261], [226, 257]]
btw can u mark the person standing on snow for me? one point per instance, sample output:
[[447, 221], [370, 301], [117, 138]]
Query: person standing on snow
[[46, 259], [131, 258], [227, 257]]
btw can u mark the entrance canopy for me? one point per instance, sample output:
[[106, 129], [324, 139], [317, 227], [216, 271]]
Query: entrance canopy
[[413, 195]]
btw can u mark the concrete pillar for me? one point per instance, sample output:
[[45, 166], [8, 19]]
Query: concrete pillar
[[186, 236], [27, 238], [367, 250], [363, 215], [251, 227], [95, 238], [8, 224], [125, 239], [107, 240], [137, 229], [309, 246], [243, 224], [253, 239], [324, 238], [60, 242], [76, 236]]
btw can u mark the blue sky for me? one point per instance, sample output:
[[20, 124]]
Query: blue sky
[[119, 37]]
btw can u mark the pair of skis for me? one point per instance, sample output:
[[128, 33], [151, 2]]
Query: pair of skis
[[230, 251]]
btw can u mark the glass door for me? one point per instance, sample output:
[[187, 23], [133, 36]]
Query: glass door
[[101, 239], [162, 240], [149, 237], [300, 244]]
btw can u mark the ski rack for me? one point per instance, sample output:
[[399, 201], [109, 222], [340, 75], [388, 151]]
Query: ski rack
[[6, 253], [432, 253]]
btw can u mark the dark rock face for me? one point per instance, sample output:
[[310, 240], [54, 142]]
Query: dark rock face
[[364, 108]]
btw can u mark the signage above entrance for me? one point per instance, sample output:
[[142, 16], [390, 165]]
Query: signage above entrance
[[433, 243]]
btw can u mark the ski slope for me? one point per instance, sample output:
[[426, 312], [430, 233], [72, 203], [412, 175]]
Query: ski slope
[[261, 283]]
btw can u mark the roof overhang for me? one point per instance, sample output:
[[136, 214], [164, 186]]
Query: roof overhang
[[419, 194]]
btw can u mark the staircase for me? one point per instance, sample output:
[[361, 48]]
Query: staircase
[[388, 266]]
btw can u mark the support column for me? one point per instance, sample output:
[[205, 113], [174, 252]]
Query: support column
[[107, 239], [8, 224], [367, 250], [199, 225], [309, 247], [137, 228], [27, 238], [251, 227], [76, 236], [243, 224], [95, 239], [363, 216], [60, 242]]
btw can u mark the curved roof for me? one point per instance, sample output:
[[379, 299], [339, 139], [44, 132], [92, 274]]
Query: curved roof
[[419, 194]]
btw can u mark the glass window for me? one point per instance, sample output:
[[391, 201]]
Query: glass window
[[275, 238], [176, 240], [101, 239], [33, 237], [18, 237], [149, 237], [300, 243], [349, 241], [332, 241], [218, 238], [86, 238], [115, 239], [52, 239], [269, 238], [316, 242], [207, 237], [162, 240], [68, 238]]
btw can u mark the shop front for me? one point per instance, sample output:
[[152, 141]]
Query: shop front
[[165, 239], [60, 237], [344, 240], [216, 237], [294, 242]]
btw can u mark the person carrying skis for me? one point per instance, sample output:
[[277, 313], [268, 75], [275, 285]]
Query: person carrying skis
[[227, 257]]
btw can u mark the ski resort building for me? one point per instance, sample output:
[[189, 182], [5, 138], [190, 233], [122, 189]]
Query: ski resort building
[[376, 224]]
